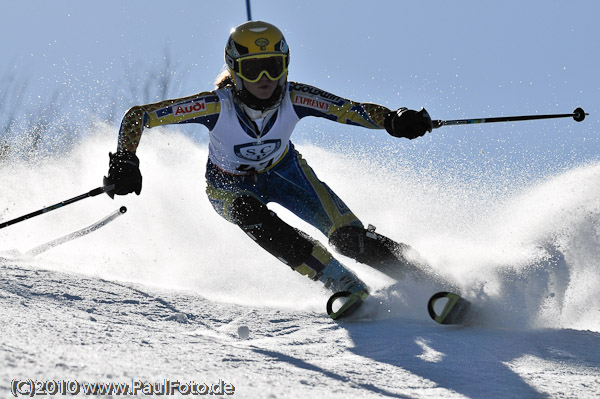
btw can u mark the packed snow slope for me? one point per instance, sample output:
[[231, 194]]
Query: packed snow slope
[[160, 292]]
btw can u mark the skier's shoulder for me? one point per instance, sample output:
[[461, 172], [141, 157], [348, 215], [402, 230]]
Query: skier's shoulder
[[199, 104], [306, 90], [308, 99]]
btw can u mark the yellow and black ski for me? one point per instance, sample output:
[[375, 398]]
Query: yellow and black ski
[[348, 303], [456, 310]]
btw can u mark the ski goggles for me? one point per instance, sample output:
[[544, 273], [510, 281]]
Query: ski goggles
[[252, 68]]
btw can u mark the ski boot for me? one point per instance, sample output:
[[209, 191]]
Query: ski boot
[[347, 287]]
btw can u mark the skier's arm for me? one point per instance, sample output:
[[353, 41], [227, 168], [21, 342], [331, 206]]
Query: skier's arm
[[311, 101], [201, 108], [124, 167]]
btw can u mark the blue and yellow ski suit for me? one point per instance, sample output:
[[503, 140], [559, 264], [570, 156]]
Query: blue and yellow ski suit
[[253, 162]]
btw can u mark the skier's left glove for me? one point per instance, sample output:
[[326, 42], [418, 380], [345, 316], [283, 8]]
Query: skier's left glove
[[124, 173], [408, 123]]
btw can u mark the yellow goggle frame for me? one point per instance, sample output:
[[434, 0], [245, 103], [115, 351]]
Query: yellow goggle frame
[[253, 67]]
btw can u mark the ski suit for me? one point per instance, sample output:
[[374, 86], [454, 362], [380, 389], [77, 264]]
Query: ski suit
[[253, 162]]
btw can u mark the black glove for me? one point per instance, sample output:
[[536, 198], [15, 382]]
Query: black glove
[[408, 123], [124, 173]]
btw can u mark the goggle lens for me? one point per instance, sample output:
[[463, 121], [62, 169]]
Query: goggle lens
[[252, 68]]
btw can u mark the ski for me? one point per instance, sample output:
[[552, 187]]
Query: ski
[[457, 310], [350, 302]]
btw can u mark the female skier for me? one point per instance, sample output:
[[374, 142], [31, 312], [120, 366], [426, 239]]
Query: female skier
[[250, 117]]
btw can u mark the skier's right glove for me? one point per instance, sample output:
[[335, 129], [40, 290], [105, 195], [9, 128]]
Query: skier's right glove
[[408, 123], [124, 173]]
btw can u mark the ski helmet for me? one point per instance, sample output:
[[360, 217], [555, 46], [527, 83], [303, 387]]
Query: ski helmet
[[256, 49]]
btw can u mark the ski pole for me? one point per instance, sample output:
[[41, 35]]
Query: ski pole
[[579, 115], [76, 234], [92, 193], [248, 12]]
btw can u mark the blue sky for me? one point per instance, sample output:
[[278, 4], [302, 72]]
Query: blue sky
[[458, 59]]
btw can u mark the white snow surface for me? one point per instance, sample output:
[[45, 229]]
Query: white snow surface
[[170, 291]]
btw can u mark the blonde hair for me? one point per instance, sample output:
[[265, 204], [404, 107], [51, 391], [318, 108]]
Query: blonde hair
[[223, 79]]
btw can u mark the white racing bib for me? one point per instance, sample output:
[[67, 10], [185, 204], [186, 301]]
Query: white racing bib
[[234, 145]]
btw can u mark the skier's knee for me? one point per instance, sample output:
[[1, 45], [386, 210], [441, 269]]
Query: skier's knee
[[365, 245], [247, 210], [298, 250], [283, 241]]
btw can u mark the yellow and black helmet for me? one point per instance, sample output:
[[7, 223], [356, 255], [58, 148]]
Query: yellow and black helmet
[[256, 49], [254, 37]]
